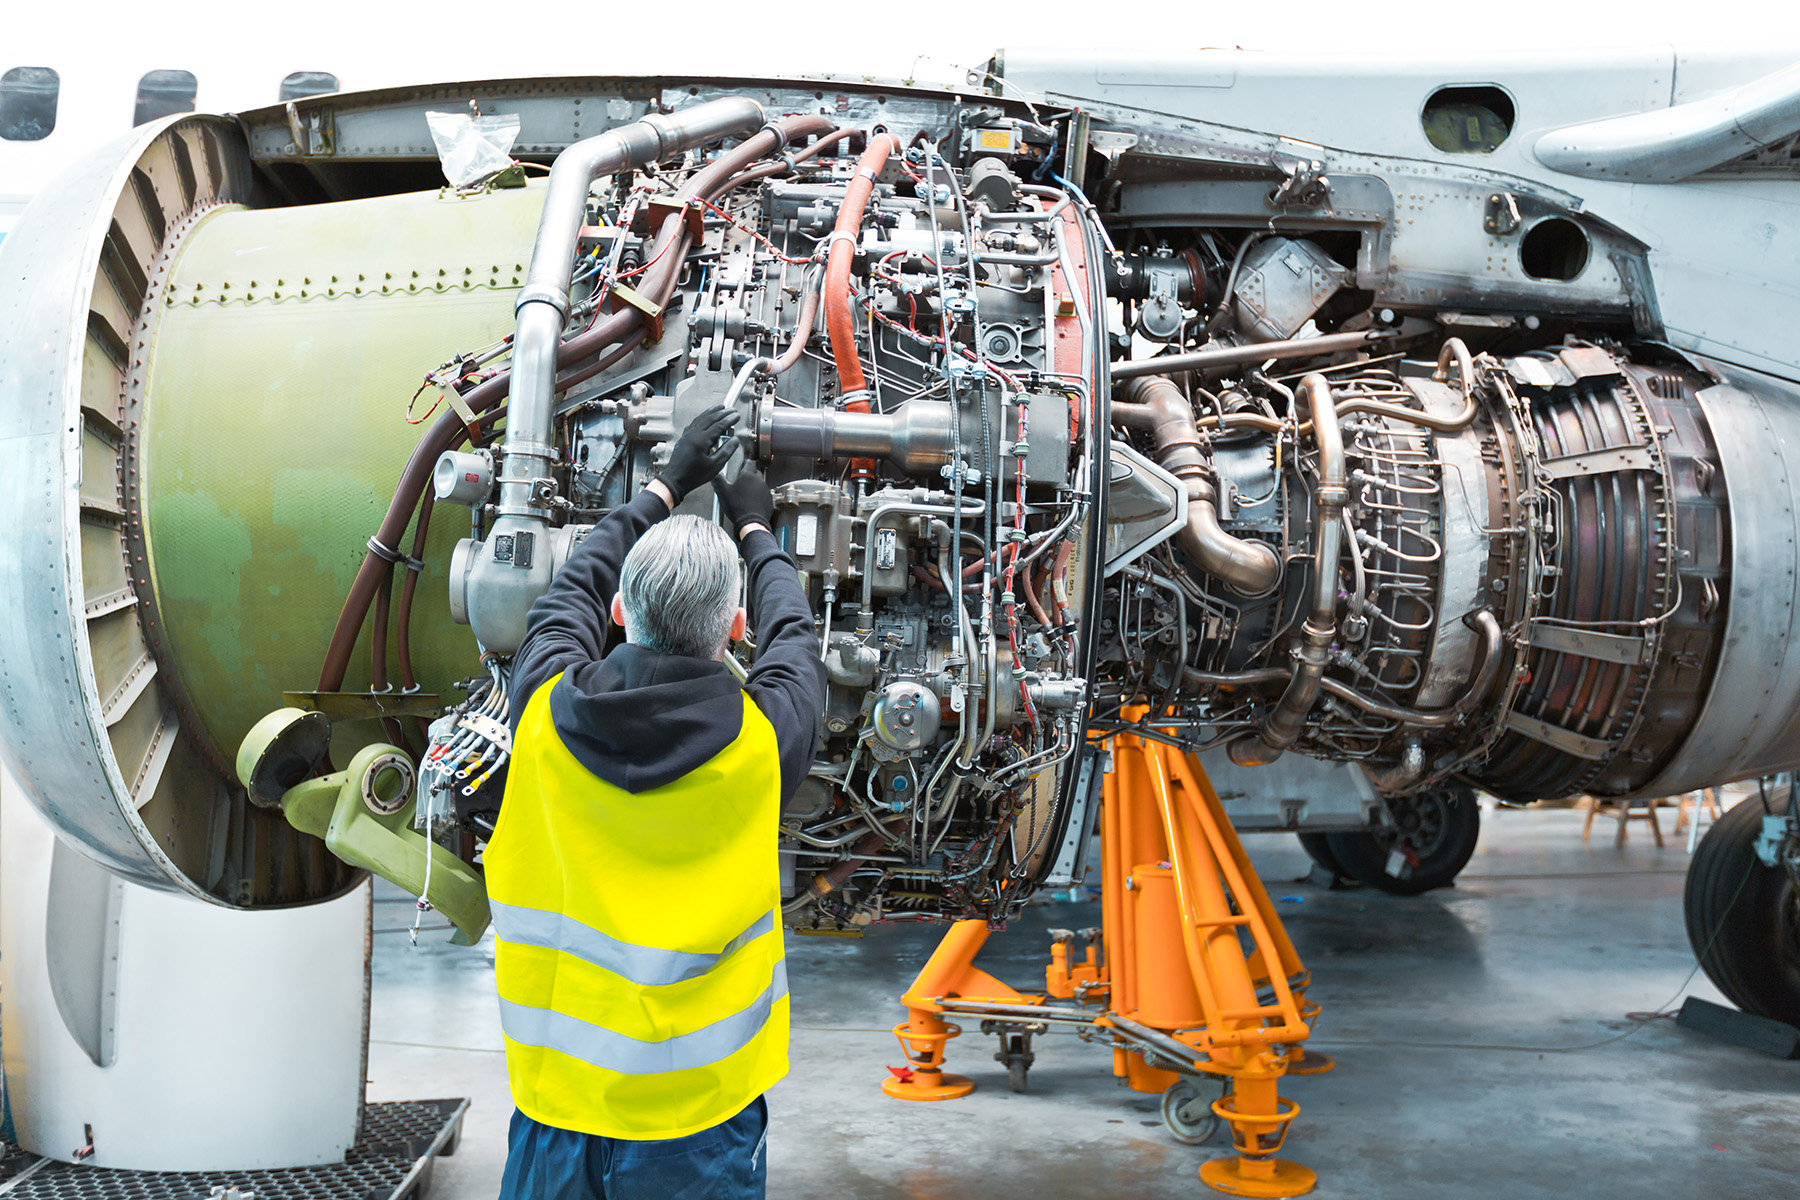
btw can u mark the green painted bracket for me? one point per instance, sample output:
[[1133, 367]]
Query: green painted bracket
[[346, 809]]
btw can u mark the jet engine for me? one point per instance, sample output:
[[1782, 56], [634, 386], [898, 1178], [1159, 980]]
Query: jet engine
[[1077, 423]]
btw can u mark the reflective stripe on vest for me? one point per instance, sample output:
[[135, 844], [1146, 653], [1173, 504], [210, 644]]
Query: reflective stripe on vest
[[643, 965], [643, 988], [611, 1051]]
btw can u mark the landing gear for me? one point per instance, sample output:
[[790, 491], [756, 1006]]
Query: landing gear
[[1743, 916], [1429, 843], [1189, 1114]]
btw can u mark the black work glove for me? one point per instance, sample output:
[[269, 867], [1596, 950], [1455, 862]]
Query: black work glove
[[703, 449], [746, 500]]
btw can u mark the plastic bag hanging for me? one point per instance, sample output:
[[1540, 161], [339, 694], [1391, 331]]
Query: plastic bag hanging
[[470, 149]]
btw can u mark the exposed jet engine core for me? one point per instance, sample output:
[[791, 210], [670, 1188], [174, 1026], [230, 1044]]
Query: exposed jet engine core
[[1058, 427]]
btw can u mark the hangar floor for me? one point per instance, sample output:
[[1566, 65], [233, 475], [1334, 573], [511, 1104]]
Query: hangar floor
[[1476, 1029]]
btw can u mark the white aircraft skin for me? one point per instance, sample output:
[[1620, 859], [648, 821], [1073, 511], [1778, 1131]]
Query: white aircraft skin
[[1724, 252]]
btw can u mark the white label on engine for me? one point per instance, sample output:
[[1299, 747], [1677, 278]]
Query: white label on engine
[[884, 549], [806, 535]]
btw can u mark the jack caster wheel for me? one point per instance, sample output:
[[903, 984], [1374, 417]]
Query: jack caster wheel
[[1015, 1054], [1188, 1113]]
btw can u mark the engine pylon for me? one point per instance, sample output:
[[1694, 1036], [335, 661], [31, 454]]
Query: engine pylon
[[1181, 992]]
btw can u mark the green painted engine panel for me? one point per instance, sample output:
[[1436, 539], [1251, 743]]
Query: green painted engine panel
[[289, 343]]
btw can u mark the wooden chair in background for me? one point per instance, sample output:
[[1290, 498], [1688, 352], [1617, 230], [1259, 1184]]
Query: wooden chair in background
[[1703, 802], [1626, 811]]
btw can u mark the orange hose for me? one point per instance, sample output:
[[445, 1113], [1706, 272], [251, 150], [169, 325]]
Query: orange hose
[[840, 316]]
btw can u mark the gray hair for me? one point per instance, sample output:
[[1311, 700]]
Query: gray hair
[[679, 588]]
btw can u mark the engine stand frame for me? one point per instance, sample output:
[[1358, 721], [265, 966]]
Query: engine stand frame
[[1195, 975]]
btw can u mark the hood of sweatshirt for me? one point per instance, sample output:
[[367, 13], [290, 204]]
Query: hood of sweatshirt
[[640, 720]]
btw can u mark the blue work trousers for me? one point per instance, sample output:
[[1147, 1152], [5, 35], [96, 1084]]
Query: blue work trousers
[[726, 1162]]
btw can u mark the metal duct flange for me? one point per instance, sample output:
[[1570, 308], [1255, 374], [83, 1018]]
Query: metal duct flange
[[91, 722], [202, 437]]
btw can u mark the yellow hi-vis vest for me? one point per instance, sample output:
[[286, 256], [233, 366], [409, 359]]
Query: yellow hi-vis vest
[[643, 988]]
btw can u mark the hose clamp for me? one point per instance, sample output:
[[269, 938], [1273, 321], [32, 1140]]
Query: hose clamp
[[538, 293], [844, 234], [781, 136]]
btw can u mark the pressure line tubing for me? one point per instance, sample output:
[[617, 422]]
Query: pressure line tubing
[[1255, 352], [1429, 718], [1284, 725]]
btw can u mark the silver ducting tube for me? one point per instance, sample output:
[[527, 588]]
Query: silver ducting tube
[[1283, 726], [917, 438], [1235, 356], [1155, 404], [543, 303]]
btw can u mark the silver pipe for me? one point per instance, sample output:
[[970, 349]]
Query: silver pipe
[[1397, 776], [1232, 356], [543, 303], [1454, 353], [1436, 718], [916, 438], [1283, 726], [1248, 568], [1666, 145], [911, 507]]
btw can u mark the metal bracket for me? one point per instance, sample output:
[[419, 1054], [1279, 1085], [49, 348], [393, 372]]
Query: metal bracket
[[1600, 462], [314, 132], [1607, 647], [1305, 182], [659, 210], [1768, 843], [366, 706], [1502, 216], [1556, 737], [653, 313]]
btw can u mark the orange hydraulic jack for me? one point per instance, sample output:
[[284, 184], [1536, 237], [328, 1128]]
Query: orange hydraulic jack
[[1198, 977]]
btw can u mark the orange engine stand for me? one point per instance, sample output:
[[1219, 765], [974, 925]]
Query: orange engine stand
[[1197, 976]]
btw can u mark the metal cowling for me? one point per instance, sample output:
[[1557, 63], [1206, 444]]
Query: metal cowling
[[1624, 645]]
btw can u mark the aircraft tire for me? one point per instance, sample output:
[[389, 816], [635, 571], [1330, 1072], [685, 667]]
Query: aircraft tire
[[1743, 918], [1318, 848]]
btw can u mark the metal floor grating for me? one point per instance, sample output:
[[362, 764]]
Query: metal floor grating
[[401, 1141]]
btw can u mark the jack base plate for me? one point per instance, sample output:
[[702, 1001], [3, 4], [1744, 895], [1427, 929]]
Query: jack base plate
[[1228, 1175], [928, 1085], [1309, 1062]]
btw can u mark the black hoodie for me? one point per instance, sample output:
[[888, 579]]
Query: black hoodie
[[639, 719]]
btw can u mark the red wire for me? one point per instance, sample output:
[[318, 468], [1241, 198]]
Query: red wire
[[746, 229]]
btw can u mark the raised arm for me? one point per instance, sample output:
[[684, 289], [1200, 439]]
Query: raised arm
[[567, 625], [788, 681]]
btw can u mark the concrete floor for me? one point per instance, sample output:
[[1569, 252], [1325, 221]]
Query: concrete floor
[[1476, 1029]]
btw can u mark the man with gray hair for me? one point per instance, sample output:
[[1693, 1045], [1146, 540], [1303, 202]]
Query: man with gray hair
[[633, 872]]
